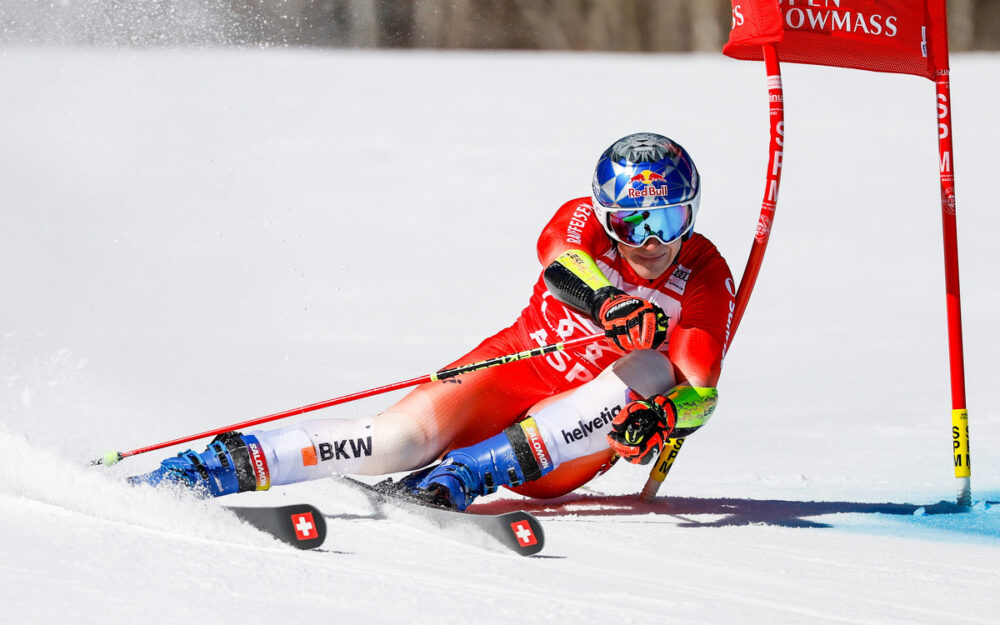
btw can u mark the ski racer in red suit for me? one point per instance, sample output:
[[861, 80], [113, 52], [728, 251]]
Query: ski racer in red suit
[[625, 261]]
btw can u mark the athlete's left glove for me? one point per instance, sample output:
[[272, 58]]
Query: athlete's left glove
[[642, 428], [629, 322]]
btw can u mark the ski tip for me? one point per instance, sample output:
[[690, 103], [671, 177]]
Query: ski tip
[[301, 525], [308, 525], [526, 536]]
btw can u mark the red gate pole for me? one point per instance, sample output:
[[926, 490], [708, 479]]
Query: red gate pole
[[959, 414], [776, 105]]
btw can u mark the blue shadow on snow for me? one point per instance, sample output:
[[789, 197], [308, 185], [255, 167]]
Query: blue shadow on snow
[[978, 521]]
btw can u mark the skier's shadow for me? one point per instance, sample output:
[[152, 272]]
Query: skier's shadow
[[730, 511]]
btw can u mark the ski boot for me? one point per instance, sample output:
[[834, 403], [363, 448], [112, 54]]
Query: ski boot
[[232, 463], [507, 459]]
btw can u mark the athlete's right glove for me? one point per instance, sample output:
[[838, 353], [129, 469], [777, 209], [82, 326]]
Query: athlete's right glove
[[642, 428], [631, 322]]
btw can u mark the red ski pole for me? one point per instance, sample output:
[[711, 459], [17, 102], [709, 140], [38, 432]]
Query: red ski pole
[[112, 457]]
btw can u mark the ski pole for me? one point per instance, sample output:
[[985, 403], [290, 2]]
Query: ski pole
[[112, 457]]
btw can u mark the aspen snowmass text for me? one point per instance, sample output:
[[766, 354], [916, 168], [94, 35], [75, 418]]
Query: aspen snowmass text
[[829, 15]]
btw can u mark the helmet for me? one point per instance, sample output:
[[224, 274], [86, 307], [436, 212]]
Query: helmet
[[645, 185]]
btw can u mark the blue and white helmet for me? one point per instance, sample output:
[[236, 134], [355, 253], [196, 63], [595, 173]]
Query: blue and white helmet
[[646, 185]]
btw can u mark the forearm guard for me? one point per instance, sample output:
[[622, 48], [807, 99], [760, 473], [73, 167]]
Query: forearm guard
[[575, 280], [694, 406]]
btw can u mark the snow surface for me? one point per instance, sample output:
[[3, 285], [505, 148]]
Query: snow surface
[[192, 238]]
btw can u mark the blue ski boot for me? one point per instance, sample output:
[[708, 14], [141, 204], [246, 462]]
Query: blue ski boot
[[513, 457], [232, 463]]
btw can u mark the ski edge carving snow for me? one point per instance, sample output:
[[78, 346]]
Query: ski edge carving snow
[[519, 531], [300, 525]]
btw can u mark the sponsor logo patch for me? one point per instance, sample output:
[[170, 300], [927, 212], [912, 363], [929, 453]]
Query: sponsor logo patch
[[648, 184], [537, 445], [588, 427], [827, 18], [763, 228], [678, 280], [258, 460], [309, 456], [577, 223], [345, 449]]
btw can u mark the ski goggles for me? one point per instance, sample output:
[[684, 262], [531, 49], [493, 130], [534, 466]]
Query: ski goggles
[[635, 226]]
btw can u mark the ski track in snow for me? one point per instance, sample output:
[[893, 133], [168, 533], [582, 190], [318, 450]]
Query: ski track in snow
[[183, 248]]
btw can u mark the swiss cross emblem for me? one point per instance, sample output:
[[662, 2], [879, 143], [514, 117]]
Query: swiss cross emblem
[[305, 527], [525, 537]]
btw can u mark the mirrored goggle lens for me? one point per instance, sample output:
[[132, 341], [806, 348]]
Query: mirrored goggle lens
[[667, 223]]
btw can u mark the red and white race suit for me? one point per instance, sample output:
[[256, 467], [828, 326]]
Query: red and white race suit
[[697, 294]]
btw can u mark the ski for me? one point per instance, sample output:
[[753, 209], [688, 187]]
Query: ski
[[301, 526], [518, 531]]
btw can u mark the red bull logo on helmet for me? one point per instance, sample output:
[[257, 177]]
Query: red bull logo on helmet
[[647, 184]]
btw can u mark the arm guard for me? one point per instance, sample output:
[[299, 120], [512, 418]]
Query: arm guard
[[694, 406], [575, 280]]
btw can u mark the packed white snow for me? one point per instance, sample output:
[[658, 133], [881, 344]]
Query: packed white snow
[[193, 238]]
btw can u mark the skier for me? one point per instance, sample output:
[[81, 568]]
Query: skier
[[625, 261]]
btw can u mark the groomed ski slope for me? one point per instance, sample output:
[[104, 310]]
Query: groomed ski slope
[[191, 238]]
